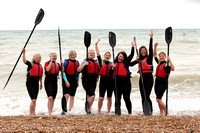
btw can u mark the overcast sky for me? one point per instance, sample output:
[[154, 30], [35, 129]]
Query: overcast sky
[[100, 14]]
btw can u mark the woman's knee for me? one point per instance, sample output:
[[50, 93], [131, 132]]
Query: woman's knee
[[50, 98], [101, 98], [158, 100]]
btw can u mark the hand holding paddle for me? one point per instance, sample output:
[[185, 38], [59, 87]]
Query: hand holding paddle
[[37, 21]]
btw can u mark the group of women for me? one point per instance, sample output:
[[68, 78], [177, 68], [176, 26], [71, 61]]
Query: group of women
[[114, 77]]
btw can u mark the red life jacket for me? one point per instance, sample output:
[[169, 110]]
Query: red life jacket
[[120, 69], [36, 70], [160, 71], [71, 68], [93, 67], [105, 69], [146, 68], [54, 68]]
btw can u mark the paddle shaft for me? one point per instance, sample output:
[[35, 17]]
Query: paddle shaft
[[166, 112], [60, 54], [116, 96], [19, 57]]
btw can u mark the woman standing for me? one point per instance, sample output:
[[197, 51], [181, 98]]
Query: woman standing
[[34, 75], [70, 78], [123, 79], [52, 69], [106, 80], [145, 64], [90, 70], [162, 71]]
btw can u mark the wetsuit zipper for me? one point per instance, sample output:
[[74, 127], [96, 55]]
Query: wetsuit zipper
[[74, 68], [55, 67], [38, 70]]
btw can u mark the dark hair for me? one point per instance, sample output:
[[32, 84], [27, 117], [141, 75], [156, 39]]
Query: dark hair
[[107, 53], [123, 53], [162, 53], [140, 51]]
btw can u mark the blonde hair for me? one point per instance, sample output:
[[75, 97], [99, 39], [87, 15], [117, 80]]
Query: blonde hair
[[50, 54], [71, 52], [91, 50], [35, 56]]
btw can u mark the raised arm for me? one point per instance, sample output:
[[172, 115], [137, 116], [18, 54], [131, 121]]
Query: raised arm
[[130, 57], [155, 50], [96, 48], [151, 48], [24, 56]]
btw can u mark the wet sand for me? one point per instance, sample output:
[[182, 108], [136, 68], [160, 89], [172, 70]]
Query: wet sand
[[100, 123]]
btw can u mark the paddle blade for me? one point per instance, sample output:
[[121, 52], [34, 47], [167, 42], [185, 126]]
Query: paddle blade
[[87, 39], [112, 39], [134, 38], [39, 16], [64, 104], [147, 108], [168, 35]]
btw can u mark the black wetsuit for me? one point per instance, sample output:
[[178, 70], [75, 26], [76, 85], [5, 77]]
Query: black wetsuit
[[106, 82], [89, 81], [72, 79], [147, 77], [160, 83], [32, 82], [124, 86], [50, 83]]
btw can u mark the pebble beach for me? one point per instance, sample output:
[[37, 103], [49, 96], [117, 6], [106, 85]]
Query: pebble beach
[[100, 123]]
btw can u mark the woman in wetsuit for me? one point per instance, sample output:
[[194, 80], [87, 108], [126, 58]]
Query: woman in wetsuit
[[123, 82], [52, 69], [34, 75], [90, 70], [106, 80], [162, 72], [70, 78], [145, 60]]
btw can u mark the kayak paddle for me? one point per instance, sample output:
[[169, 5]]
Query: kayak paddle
[[168, 39], [146, 104], [87, 41], [37, 21], [112, 41], [63, 100]]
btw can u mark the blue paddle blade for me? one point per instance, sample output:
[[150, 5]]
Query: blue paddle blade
[[112, 39], [168, 35], [39, 16], [87, 39]]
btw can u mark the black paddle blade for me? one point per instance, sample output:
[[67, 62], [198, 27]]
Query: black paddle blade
[[87, 39], [147, 108], [64, 104], [39, 16], [168, 35], [112, 39], [86, 107]]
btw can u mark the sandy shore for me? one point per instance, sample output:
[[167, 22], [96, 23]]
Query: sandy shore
[[100, 123]]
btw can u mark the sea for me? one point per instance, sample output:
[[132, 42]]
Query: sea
[[184, 82]]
